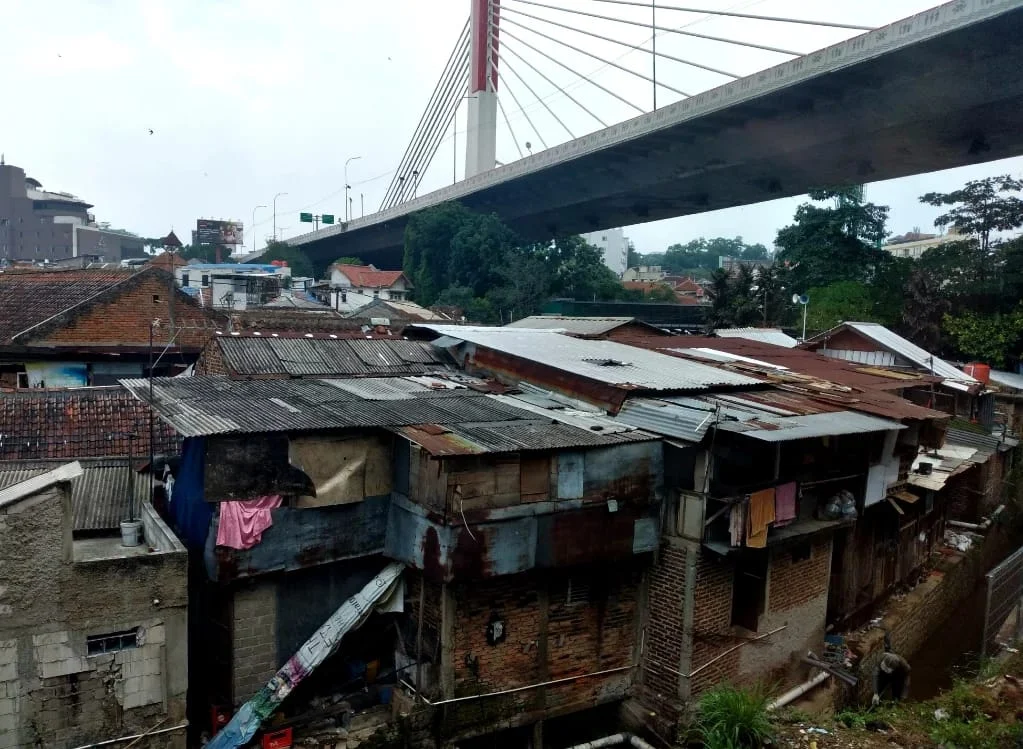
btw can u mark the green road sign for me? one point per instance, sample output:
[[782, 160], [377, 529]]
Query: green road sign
[[327, 218], [305, 218]]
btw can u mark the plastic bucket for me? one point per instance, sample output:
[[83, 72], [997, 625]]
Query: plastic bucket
[[131, 532]]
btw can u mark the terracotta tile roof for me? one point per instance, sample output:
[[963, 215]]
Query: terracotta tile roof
[[27, 299], [78, 423], [368, 277]]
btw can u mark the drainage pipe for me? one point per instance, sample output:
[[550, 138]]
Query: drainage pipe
[[618, 739], [981, 526], [134, 737], [796, 692]]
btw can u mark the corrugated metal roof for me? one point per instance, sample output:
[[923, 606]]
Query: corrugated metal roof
[[99, 495], [989, 443], [460, 421], [324, 357], [908, 350], [1007, 379], [602, 361], [785, 429], [774, 336], [573, 325], [723, 356], [669, 419]]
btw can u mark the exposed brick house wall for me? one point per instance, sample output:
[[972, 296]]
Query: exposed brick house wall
[[712, 620], [664, 630], [551, 634], [124, 318]]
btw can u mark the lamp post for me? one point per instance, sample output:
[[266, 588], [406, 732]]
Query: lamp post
[[253, 227], [278, 195], [347, 186]]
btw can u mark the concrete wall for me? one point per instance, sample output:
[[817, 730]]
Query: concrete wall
[[254, 655], [52, 692]]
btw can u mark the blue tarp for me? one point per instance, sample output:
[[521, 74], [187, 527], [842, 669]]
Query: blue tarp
[[192, 513]]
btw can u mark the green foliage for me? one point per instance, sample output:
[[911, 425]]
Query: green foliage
[[699, 257], [851, 718], [981, 207], [988, 338], [205, 253], [837, 243], [841, 301], [295, 258], [753, 297], [661, 293], [473, 261], [348, 260], [732, 718]]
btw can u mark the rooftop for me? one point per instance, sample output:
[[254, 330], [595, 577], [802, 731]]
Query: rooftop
[[442, 415], [100, 493], [78, 423], [607, 362], [277, 356], [579, 326], [896, 344], [368, 277], [773, 336]]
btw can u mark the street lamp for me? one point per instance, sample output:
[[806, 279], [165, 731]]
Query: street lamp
[[415, 184], [253, 227], [347, 186], [278, 195]]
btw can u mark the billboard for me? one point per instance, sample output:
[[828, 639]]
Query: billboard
[[221, 233]]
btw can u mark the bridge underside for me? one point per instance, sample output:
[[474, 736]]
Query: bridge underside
[[944, 102]]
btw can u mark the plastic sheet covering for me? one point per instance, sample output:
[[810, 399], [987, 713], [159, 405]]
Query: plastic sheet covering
[[188, 504], [382, 593], [342, 470]]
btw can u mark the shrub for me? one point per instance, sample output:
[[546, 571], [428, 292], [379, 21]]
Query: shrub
[[733, 718]]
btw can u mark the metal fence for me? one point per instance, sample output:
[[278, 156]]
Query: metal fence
[[1004, 595]]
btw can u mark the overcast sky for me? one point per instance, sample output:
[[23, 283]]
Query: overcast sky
[[249, 98]]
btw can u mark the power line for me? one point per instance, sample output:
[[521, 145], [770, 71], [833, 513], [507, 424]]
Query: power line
[[723, 40], [778, 19], [566, 67]]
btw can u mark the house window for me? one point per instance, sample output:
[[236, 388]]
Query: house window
[[22, 379], [376, 292], [112, 642], [156, 298], [749, 588], [578, 592], [184, 279], [205, 279]]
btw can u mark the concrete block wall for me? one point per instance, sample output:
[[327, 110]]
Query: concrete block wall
[[254, 653]]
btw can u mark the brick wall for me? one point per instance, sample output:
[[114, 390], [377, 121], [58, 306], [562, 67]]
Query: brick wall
[[712, 618], [125, 318], [664, 631], [550, 635], [211, 359], [254, 651]]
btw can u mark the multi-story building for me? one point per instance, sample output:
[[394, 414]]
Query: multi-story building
[[614, 246], [41, 225], [914, 244]]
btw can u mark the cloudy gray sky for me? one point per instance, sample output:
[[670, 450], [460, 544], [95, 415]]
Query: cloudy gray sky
[[250, 98]]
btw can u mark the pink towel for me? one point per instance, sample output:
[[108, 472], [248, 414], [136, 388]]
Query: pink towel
[[242, 523], [784, 504]]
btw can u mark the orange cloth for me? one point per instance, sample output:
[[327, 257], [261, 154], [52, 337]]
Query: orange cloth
[[761, 514]]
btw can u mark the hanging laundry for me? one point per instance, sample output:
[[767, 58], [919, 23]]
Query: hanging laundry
[[242, 523], [784, 504], [761, 515], [737, 522]]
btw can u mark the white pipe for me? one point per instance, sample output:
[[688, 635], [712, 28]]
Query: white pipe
[[618, 739], [108, 742], [797, 692], [981, 526]]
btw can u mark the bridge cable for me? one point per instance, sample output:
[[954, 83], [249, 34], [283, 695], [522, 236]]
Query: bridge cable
[[433, 146], [459, 50], [598, 58], [439, 101], [522, 109], [635, 47], [723, 40], [507, 122], [574, 72], [544, 103], [438, 117], [778, 19], [559, 88]]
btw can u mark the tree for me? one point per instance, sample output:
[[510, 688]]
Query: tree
[[924, 308], [296, 259], [839, 302], [981, 207], [347, 260], [989, 338], [633, 258], [837, 243], [661, 293], [206, 253], [720, 292]]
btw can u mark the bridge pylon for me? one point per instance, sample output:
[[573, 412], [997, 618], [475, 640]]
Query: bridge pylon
[[481, 126]]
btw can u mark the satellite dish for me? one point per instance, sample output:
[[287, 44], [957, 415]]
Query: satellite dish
[[795, 298], [804, 299]]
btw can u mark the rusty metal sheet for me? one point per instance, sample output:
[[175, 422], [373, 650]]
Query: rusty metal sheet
[[441, 444]]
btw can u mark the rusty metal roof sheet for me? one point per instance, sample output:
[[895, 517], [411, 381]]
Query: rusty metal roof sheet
[[785, 429], [325, 357], [449, 421], [601, 361], [100, 496]]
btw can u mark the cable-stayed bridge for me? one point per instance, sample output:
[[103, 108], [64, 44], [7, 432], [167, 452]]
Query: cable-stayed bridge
[[939, 89]]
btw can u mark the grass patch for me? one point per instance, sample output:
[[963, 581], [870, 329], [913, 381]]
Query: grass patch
[[732, 718]]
